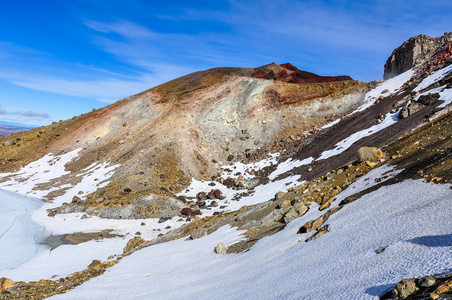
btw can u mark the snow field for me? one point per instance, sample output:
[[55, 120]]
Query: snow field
[[411, 218]]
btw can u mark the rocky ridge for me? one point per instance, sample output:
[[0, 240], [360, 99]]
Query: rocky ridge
[[413, 52]]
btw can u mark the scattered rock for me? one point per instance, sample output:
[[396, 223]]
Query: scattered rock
[[315, 224], [370, 154], [319, 233], [76, 200], [9, 143], [95, 265], [161, 220], [133, 243], [409, 110], [6, 283], [187, 211], [301, 208], [201, 196], [405, 288], [217, 193], [427, 281], [291, 215], [220, 248], [380, 250], [445, 287], [279, 195]]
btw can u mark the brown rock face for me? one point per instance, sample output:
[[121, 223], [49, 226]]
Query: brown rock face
[[291, 74], [413, 52]]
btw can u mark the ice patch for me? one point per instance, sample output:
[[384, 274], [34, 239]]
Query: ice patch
[[245, 169], [18, 232]]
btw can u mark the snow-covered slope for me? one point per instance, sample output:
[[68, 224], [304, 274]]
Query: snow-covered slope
[[343, 265]]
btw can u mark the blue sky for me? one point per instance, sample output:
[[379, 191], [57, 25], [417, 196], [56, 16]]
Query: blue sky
[[60, 58]]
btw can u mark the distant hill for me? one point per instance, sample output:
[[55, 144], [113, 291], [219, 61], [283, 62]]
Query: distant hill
[[7, 130]]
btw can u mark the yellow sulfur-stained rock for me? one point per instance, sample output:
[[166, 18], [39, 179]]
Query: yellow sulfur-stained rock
[[6, 283], [370, 154]]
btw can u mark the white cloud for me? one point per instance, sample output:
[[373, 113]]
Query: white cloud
[[124, 28]]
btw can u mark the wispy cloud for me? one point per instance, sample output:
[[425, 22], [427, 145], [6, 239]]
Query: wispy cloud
[[124, 28], [106, 90], [28, 113]]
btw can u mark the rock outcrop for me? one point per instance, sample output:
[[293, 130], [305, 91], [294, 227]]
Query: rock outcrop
[[291, 74], [413, 52]]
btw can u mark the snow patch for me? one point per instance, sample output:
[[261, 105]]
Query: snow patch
[[288, 165], [393, 86], [391, 118], [432, 78]]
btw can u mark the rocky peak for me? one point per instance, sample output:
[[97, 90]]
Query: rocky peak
[[291, 74], [412, 52]]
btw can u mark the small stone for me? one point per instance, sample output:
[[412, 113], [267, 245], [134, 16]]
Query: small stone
[[291, 215], [370, 154], [323, 230], [137, 233], [380, 250], [230, 158], [143, 224], [9, 143], [326, 204], [196, 212], [405, 288], [279, 195], [95, 265], [201, 204], [133, 243], [6, 283], [187, 211], [217, 193], [445, 287], [84, 216], [127, 190], [301, 208], [279, 218], [427, 281], [163, 219], [220, 248], [201, 196], [76, 199], [214, 204]]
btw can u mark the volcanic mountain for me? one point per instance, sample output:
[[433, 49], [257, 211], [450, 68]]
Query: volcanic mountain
[[240, 183], [190, 127]]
